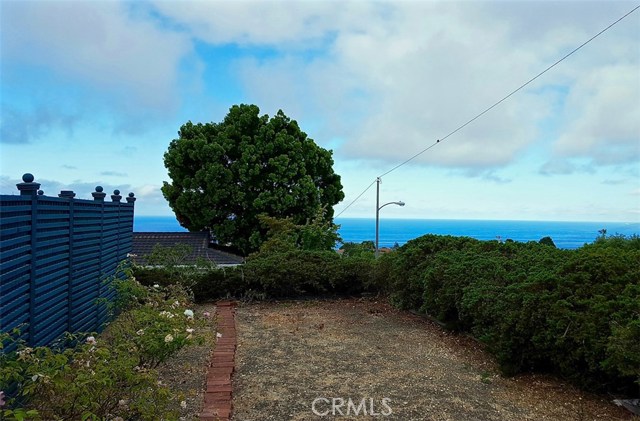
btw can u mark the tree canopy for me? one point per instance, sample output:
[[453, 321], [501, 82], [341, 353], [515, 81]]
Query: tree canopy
[[225, 175]]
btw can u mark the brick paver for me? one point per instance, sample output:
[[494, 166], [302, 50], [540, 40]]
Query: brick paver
[[218, 397]]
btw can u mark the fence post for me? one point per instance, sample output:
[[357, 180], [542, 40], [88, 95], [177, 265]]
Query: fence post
[[99, 196], [116, 198], [69, 194], [29, 188], [131, 199]]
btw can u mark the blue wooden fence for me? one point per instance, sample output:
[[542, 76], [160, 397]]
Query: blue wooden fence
[[57, 255]]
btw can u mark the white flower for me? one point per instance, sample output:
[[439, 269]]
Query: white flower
[[24, 354], [189, 314], [167, 314], [140, 332], [156, 286], [189, 330], [122, 402], [91, 340], [183, 404], [218, 335], [168, 338]]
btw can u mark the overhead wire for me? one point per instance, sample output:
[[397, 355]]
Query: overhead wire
[[438, 141], [356, 199]]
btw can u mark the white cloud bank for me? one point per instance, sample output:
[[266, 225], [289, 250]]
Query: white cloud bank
[[391, 78], [382, 80], [105, 57]]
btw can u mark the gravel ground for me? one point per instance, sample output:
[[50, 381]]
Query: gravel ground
[[292, 353]]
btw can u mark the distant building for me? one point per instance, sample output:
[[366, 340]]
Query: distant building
[[199, 243]]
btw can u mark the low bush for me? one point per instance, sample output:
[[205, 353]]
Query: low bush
[[575, 313], [106, 377], [278, 273]]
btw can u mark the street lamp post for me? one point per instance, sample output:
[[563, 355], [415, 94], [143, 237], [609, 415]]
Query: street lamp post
[[378, 207]]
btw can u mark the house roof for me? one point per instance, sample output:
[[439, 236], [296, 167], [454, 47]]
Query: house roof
[[199, 242]]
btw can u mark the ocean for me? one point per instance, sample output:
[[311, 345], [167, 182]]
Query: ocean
[[566, 235]]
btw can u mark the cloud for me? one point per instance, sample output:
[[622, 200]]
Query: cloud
[[100, 53], [69, 167], [282, 24], [25, 126], [614, 182], [398, 85], [378, 81], [114, 173], [392, 87], [603, 123], [561, 166], [557, 166], [83, 189]]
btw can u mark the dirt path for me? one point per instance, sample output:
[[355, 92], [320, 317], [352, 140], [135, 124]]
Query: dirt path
[[291, 354]]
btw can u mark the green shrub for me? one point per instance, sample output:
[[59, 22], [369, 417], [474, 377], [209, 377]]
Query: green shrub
[[294, 272], [273, 274], [111, 376], [572, 312]]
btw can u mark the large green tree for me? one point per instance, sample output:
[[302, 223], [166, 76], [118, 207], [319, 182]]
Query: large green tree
[[224, 175]]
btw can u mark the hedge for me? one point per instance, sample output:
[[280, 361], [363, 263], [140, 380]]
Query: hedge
[[575, 313]]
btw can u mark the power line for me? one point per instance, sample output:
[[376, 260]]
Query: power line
[[510, 94], [492, 106], [356, 199]]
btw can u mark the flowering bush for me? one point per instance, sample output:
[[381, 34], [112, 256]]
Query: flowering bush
[[106, 377]]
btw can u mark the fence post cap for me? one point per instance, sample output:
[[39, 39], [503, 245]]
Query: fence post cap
[[115, 197], [28, 187], [98, 194], [67, 193], [131, 198]]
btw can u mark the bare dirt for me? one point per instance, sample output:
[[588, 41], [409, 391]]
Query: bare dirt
[[292, 353]]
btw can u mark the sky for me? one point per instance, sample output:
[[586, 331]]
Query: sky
[[92, 92]]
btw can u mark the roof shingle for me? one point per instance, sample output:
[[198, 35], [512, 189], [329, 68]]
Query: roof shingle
[[144, 243]]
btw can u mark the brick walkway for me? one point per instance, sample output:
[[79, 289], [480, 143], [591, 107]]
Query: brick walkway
[[218, 396]]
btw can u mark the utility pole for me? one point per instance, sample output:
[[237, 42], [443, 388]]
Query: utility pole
[[378, 180]]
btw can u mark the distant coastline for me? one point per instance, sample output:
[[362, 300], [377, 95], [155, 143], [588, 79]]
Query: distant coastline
[[567, 235]]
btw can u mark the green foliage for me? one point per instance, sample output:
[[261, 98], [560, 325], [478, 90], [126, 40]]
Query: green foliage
[[292, 273], [285, 273], [547, 241], [317, 233], [224, 175], [572, 312], [108, 377], [364, 249]]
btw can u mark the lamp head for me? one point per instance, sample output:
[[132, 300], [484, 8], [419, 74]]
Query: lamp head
[[401, 203]]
